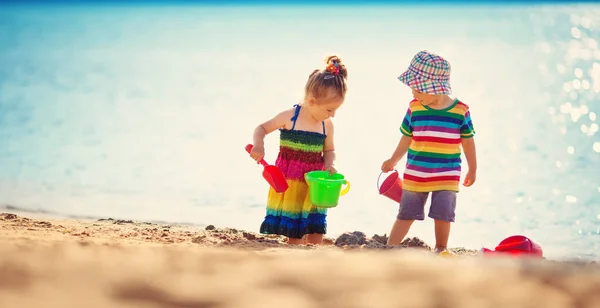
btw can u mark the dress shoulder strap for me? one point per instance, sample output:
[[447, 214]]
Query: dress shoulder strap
[[295, 117]]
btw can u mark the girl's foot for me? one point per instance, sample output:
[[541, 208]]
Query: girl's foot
[[295, 241]]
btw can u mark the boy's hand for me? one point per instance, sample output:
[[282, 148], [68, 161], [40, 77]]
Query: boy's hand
[[389, 165], [470, 178], [257, 153]]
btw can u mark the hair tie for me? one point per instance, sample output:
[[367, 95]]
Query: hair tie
[[333, 68]]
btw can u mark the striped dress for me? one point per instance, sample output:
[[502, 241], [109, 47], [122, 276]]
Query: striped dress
[[434, 157], [291, 213]]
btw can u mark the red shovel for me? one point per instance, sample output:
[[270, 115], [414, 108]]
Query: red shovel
[[272, 174]]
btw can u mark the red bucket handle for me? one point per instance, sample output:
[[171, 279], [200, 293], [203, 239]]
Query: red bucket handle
[[379, 178]]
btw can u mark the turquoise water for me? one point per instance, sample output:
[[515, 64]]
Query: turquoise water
[[143, 112]]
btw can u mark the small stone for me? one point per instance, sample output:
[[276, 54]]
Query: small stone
[[121, 222], [414, 242], [198, 239], [354, 238], [249, 236], [9, 216], [44, 224], [381, 238]]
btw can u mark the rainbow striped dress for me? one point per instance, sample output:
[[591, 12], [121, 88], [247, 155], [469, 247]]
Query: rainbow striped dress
[[291, 213], [433, 161]]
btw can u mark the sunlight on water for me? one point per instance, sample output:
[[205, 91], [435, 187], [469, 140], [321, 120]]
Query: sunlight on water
[[577, 57], [149, 120]]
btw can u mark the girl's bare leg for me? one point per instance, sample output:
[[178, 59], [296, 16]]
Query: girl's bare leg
[[315, 238], [295, 241]]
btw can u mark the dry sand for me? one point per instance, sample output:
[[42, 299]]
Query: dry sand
[[112, 263]]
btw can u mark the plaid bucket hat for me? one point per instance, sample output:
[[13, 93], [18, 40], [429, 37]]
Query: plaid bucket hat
[[428, 73]]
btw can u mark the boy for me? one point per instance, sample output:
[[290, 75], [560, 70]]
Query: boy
[[433, 130]]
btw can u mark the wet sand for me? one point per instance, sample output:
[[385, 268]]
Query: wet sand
[[115, 263]]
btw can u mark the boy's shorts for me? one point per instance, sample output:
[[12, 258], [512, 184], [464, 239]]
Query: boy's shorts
[[412, 205]]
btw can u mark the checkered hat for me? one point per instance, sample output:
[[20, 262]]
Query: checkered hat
[[428, 73]]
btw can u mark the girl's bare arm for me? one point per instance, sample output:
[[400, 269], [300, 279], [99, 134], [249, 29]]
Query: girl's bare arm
[[263, 129], [329, 148]]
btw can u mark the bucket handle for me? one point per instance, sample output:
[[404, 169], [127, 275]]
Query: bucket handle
[[379, 177], [343, 192]]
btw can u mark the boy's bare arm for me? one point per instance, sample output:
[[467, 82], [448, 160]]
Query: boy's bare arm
[[468, 145], [400, 151], [402, 148]]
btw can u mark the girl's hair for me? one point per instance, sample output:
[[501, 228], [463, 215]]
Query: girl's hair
[[329, 81]]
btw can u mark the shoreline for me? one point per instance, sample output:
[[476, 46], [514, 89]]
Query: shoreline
[[347, 240], [44, 214], [104, 230], [121, 263], [89, 228]]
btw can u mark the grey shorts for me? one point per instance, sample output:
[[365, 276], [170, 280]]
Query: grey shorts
[[412, 205]]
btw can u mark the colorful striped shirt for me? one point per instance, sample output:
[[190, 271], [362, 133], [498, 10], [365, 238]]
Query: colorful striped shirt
[[433, 159]]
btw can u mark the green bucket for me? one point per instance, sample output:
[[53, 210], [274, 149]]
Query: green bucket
[[325, 189]]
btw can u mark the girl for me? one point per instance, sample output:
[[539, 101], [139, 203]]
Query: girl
[[433, 130], [306, 144]]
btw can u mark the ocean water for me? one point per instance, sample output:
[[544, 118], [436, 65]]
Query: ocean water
[[143, 112]]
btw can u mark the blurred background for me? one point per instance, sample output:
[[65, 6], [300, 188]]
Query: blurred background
[[143, 111]]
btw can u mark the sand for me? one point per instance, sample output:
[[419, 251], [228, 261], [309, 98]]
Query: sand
[[115, 263]]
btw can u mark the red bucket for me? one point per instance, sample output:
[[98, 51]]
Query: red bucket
[[517, 245], [520, 244], [391, 186]]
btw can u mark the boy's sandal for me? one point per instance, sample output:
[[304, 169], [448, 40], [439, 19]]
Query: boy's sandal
[[444, 252]]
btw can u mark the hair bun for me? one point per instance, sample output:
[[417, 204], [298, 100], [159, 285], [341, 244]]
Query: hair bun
[[332, 58], [329, 81], [335, 60]]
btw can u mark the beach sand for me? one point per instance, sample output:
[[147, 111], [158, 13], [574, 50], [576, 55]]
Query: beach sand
[[115, 263]]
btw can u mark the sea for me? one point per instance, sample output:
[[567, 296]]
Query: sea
[[142, 111]]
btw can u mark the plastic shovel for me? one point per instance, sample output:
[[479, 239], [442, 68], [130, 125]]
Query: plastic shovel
[[272, 174]]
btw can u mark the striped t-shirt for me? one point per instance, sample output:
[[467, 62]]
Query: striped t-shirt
[[433, 158]]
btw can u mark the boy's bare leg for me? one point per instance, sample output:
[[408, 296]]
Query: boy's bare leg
[[399, 231], [442, 233]]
